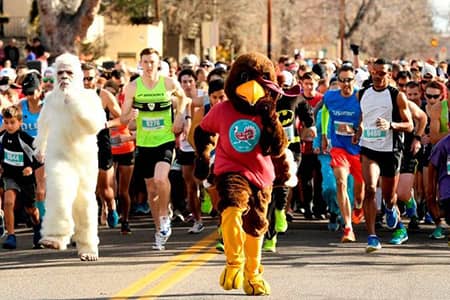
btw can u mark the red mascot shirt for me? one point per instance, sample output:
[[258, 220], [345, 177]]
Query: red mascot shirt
[[238, 148]]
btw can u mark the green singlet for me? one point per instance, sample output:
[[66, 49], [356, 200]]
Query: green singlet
[[153, 128], [444, 116]]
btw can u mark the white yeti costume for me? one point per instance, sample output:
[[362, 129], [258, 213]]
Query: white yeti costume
[[67, 127]]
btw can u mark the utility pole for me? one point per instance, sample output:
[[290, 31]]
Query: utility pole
[[269, 29], [342, 26], [157, 13]]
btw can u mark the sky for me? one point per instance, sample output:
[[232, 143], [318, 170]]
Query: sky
[[441, 10]]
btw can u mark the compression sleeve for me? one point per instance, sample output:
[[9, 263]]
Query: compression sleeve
[[325, 120]]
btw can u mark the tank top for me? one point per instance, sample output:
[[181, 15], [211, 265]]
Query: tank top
[[153, 128], [29, 120], [444, 119], [375, 104], [116, 132]]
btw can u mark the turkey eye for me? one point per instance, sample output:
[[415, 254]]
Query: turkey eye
[[244, 77]]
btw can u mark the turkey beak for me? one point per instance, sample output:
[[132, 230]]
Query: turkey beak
[[251, 91]]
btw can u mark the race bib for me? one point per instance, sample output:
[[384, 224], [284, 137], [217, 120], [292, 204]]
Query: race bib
[[290, 132], [14, 158], [343, 128], [374, 134], [152, 123], [448, 164]]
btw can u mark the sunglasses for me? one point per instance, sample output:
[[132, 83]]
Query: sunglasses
[[432, 96], [424, 81], [90, 78], [380, 73], [48, 79], [70, 73], [346, 80], [401, 84]]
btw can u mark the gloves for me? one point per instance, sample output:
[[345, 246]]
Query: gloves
[[355, 49]]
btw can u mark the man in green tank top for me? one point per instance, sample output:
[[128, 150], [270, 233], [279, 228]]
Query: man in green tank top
[[148, 99]]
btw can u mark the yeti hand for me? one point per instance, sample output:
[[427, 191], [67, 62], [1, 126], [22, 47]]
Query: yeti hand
[[201, 168]]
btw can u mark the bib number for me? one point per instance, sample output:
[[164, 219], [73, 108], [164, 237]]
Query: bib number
[[290, 133], [374, 134], [343, 128], [14, 158], [448, 165], [152, 123]]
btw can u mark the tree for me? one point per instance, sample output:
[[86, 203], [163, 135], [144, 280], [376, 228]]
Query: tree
[[64, 23]]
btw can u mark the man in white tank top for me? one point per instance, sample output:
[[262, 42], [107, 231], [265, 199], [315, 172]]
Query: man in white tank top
[[385, 116]]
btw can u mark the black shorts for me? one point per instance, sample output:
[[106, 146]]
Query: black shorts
[[26, 191], [185, 158], [147, 157], [388, 162], [408, 165], [125, 159], [423, 157], [105, 157]]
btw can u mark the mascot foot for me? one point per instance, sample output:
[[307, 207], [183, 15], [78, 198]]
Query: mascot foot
[[88, 256], [53, 243], [231, 278], [255, 285]]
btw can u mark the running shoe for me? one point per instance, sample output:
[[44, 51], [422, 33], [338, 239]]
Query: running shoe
[[414, 223], [165, 229], [428, 219], [10, 242], [391, 217], [411, 208], [125, 228], [219, 246], [438, 233], [206, 206], [197, 227], [270, 245], [37, 236], [281, 224], [399, 236], [142, 208], [348, 236], [357, 215], [177, 216], [113, 219], [159, 242], [333, 226], [2, 225], [373, 244]]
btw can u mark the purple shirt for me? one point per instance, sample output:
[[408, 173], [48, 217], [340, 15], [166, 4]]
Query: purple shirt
[[440, 158]]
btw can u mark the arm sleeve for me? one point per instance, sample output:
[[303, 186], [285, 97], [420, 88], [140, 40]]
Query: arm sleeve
[[324, 120], [317, 142]]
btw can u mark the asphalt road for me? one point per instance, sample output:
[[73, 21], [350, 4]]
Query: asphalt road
[[310, 263]]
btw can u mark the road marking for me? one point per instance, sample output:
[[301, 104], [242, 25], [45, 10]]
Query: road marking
[[179, 275], [166, 267]]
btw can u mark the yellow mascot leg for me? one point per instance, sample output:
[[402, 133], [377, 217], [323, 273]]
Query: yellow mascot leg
[[254, 284], [233, 238]]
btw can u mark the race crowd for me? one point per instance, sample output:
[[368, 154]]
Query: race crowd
[[370, 140]]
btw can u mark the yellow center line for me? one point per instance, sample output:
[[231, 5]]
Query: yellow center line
[[179, 275], [165, 268]]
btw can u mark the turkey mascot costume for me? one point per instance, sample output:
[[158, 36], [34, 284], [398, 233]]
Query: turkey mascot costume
[[249, 159]]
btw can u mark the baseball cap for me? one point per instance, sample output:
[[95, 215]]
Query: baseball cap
[[428, 69], [30, 83]]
